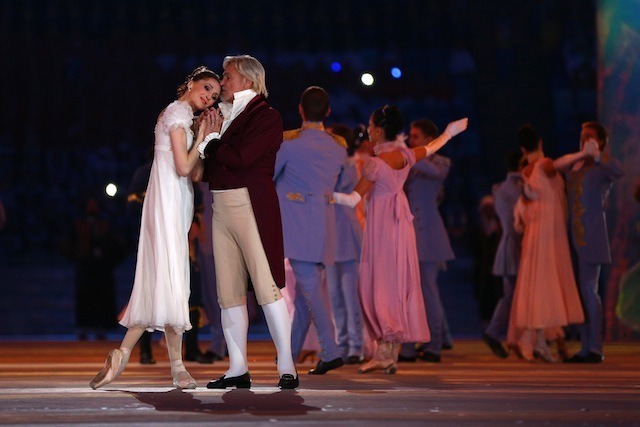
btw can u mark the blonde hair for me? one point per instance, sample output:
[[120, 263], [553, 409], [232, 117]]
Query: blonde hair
[[251, 69]]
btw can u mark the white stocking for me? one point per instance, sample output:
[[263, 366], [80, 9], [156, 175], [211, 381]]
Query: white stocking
[[279, 324], [235, 326]]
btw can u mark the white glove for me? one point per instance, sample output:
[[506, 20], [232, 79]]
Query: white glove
[[203, 145], [591, 148], [456, 127], [350, 200]]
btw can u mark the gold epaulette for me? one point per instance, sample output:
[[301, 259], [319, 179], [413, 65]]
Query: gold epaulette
[[291, 134], [136, 197], [339, 140]]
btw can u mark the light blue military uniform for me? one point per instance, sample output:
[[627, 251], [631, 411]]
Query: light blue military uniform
[[308, 166], [587, 193], [423, 188], [342, 276], [507, 259]]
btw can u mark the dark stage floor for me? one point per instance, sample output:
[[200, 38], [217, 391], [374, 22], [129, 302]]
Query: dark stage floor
[[47, 383]]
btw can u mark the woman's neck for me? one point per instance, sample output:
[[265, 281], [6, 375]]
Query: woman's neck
[[533, 156]]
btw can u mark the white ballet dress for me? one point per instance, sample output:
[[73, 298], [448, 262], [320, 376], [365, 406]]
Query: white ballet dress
[[160, 294]]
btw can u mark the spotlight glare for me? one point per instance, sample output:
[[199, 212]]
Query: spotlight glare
[[336, 67], [367, 79], [111, 189], [396, 73]]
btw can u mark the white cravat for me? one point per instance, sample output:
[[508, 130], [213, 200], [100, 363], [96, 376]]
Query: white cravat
[[240, 101]]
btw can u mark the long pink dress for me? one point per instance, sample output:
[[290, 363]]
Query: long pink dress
[[390, 292], [546, 295]]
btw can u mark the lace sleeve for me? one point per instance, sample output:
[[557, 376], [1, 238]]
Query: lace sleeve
[[176, 115], [371, 169], [409, 156]]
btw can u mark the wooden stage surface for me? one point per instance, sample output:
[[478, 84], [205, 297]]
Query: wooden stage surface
[[46, 383]]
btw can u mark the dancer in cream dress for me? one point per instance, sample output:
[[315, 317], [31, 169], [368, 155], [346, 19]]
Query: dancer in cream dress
[[160, 296]]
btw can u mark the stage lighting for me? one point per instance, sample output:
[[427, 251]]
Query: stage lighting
[[396, 73], [367, 79], [336, 67], [111, 189]]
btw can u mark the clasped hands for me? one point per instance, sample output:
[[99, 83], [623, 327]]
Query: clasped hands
[[591, 149], [209, 121], [208, 124]]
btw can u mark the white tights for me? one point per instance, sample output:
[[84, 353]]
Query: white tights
[[235, 326]]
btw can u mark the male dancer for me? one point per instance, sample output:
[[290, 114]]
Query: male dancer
[[308, 165], [247, 231], [588, 183]]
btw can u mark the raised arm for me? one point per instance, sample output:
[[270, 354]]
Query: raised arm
[[590, 149], [396, 160]]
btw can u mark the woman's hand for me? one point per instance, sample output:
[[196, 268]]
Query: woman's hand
[[205, 126], [456, 127], [591, 149], [216, 119]]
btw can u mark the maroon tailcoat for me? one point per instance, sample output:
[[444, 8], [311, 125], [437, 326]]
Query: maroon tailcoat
[[245, 156]]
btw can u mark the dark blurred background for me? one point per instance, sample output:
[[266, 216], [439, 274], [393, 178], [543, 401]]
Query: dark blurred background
[[84, 81]]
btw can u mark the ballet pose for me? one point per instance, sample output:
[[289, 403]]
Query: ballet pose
[[160, 296]]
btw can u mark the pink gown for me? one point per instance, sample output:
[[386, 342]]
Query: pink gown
[[390, 291], [546, 295]]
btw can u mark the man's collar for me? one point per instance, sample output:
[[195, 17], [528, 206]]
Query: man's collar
[[247, 93], [313, 125]]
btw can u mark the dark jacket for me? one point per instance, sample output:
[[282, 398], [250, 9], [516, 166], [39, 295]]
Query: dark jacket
[[245, 156]]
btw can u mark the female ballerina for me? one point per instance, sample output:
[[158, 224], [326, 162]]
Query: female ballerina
[[160, 296], [390, 291]]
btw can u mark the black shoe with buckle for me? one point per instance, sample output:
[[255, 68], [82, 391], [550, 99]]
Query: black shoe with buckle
[[242, 381], [429, 357], [147, 359], [324, 367], [495, 346], [198, 357], [354, 360], [589, 358], [288, 381], [402, 358], [213, 355]]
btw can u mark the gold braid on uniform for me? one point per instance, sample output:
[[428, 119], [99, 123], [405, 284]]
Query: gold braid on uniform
[[288, 135], [295, 133], [338, 139]]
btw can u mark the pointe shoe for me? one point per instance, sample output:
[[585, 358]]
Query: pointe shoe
[[376, 365], [113, 366], [184, 380]]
